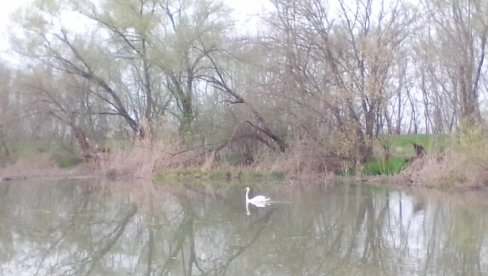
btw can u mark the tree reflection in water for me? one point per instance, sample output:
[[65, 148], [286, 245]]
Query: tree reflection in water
[[87, 228]]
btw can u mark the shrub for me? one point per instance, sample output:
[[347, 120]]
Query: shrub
[[464, 163]]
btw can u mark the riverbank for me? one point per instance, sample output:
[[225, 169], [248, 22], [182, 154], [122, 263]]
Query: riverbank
[[84, 170], [44, 170], [447, 171]]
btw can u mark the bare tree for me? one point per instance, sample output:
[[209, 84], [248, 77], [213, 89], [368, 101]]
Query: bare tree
[[58, 48], [456, 37], [135, 56], [345, 62]]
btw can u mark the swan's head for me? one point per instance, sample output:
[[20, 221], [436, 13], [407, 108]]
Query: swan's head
[[247, 189]]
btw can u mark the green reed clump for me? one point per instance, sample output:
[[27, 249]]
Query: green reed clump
[[69, 161], [392, 166]]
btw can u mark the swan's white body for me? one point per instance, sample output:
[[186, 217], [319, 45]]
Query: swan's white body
[[258, 201]]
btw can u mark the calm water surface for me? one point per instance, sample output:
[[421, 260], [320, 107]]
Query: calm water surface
[[98, 228]]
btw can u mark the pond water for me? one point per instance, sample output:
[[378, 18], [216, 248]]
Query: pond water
[[92, 227]]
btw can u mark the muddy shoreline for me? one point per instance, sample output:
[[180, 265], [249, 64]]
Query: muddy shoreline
[[30, 171], [85, 171]]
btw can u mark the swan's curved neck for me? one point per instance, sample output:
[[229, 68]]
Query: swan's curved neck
[[247, 195]]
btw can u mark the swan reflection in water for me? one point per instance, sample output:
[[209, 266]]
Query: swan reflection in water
[[259, 201]]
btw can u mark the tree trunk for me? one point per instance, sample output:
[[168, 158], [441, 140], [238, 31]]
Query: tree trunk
[[80, 136]]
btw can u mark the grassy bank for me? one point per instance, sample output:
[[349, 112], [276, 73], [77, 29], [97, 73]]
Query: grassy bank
[[393, 154], [57, 153], [457, 161], [462, 163]]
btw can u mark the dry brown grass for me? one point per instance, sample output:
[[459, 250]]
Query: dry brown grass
[[42, 166], [135, 162], [453, 169], [303, 156], [145, 159]]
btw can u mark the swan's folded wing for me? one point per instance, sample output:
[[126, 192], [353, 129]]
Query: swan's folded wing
[[260, 198]]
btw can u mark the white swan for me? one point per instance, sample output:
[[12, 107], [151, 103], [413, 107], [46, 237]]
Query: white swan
[[258, 201]]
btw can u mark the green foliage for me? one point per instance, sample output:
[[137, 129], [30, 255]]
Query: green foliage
[[401, 150], [345, 172], [69, 161], [470, 138], [66, 155], [378, 166], [277, 175], [159, 178], [30, 150], [63, 153], [403, 143], [392, 166], [472, 146]]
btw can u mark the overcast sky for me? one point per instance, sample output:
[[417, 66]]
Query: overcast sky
[[6, 9]]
